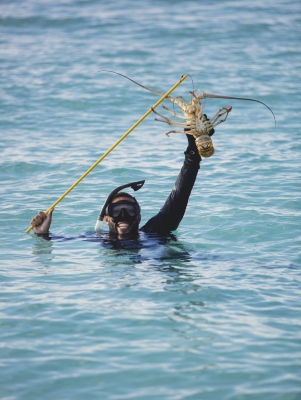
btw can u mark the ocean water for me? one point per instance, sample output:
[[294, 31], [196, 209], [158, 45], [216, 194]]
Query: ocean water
[[212, 313]]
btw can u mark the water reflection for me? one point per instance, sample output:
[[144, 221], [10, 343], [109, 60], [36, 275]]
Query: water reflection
[[146, 247], [42, 251], [41, 247], [138, 248], [164, 253]]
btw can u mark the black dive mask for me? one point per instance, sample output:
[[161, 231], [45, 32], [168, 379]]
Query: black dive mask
[[123, 210], [105, 209]]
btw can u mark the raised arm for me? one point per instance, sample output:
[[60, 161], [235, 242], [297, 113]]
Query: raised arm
[[172, 212]]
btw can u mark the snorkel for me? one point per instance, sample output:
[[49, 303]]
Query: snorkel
[[134, 185]]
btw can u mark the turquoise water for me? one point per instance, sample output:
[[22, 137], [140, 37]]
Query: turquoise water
[[214, 313]]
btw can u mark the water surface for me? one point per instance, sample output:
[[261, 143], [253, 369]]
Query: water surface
[[214, 313]]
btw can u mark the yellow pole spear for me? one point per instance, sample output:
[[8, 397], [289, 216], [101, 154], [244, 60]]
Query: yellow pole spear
[[114, 145]]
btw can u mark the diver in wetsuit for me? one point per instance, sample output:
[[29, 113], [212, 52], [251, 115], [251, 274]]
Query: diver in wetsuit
[[121, 211]]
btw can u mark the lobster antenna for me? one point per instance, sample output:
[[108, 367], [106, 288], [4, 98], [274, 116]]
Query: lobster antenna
[[217, 96], [205, 95], [191, 81], [139, 84]]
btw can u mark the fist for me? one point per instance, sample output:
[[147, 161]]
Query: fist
[[38, 219], [41, 222]]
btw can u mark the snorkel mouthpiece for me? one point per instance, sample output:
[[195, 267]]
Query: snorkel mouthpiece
[[134, 185], [97, 226]]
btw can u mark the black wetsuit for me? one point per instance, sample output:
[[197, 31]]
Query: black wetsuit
[[172, 212]]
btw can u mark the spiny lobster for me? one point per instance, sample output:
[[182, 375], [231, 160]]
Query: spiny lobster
[[196, 123]]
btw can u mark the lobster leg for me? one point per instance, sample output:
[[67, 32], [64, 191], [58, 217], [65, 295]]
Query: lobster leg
[[173, 113], [171, 123], [168, 133], [222, 111], [168, 121]]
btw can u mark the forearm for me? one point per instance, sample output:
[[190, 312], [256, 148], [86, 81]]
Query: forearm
[[173, 210]]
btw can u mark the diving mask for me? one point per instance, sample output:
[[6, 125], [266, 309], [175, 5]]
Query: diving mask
[[123, 211]]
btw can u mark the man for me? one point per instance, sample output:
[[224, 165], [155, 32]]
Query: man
[[121, 211]]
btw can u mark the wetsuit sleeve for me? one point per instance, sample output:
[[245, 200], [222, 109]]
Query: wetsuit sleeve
[[172, 212]]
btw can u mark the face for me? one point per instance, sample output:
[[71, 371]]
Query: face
[[123, 227]]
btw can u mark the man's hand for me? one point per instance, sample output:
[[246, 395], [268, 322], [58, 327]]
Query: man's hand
[[41, 222]]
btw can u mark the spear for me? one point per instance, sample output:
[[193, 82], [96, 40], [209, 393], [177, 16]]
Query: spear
[[183, 77]]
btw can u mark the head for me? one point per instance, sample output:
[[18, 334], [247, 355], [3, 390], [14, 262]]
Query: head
[[122, 215]]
